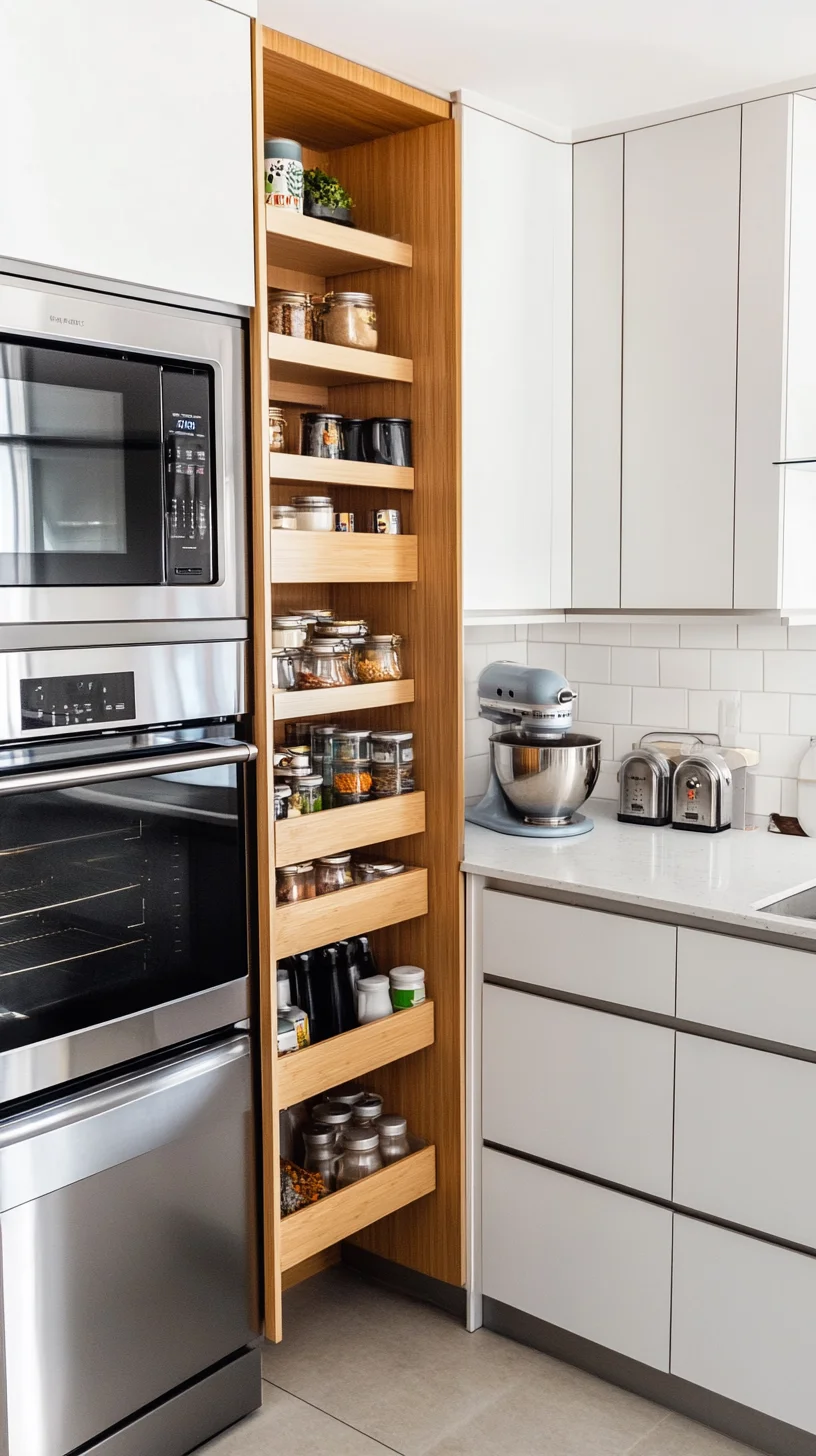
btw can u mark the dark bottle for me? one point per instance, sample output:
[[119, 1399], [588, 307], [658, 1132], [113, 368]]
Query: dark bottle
[[343, 992], [310, 986], [359, 959]]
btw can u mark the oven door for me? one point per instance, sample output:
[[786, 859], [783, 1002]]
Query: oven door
[[123, 906]]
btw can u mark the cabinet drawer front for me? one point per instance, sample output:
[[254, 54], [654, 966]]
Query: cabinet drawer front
[[586, 952], [584, 1258], [583, 1088], [747, 986], [742, 1320], [743, 1137]]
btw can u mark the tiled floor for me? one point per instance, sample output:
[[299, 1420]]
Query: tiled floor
[[363, 1371]]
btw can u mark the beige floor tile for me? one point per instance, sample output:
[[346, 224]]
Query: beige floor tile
[[677, 1436], [286, 1424]]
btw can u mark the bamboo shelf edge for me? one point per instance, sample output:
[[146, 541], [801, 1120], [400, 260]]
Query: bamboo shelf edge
[[309, 362], [335, 556], [318, 702], [310, 245], [309, 1072], [344, 1213], [308, 469], [334, 830], [354, 911]]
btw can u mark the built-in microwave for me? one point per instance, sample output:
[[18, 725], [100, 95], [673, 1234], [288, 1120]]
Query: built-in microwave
[[121, 460]]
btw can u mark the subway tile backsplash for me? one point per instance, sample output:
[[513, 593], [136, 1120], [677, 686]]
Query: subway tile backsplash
[[633, 679]]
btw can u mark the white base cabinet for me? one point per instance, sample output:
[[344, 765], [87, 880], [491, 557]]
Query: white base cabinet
[[579, 1256]]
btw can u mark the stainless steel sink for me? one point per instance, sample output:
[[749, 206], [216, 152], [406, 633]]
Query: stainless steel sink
[[801, 906]]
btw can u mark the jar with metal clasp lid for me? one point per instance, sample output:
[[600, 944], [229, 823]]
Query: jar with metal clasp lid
[[378, 658], [347, 318], [325, 665]]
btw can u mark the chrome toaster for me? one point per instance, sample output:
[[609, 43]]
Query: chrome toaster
[[645, 779], [703, 793]]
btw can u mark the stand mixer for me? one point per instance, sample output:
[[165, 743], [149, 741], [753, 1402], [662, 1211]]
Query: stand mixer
[[540, 771]]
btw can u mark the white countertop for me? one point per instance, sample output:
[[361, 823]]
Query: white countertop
[[712, 877]]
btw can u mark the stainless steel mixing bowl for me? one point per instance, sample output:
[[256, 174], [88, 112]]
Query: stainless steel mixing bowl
[[545, 779]]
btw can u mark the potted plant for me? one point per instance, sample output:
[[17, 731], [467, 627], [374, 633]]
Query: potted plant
[[324, 197]]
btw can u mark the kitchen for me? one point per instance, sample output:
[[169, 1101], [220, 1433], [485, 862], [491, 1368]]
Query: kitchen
[[248, 1130]]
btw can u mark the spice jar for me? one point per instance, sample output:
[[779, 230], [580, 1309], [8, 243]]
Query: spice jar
[[290, 313], [367, 1108], [392, 764], [325, 665], [368, 868], [284, 518], [311, 796], [333, 872], [314, 512], [282, 794], [277, 429], [283, 173], [392, 1131], [321, 1156], [349, 319], [341, 630], [407, 986], [295, 882], [377, 659], [360, 1155], [294, 777], [283, 670], [320, 436], [336, 1115], [351, 745], [385, 522], [288, 632]]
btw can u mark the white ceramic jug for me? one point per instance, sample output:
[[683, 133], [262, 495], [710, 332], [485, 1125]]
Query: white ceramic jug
[[373, 999]]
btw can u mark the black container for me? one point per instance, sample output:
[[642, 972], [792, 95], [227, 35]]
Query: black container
[[311, 991], [353, 439], [341, 215], [343, 1001], [321, 435], [387, 441]]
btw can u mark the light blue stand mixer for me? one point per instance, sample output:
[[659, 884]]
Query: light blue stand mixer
[[540, 771]]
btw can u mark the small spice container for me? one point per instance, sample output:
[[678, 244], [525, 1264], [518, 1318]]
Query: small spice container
[[385, 522], [344, 521], [341, 630], [351, 784], [333, 872], [360, 1155], [283, 669], [294, 777], [320, 436], [295, 882], [351, 745], [290, 313], [311, 795], [349, 319], [283, 173], [407, 986], [377, 659], [392, 764], [392, 1131], [349, 1097], [320, 1143], [367, 1108], [314, 512], [325, 665], [277, 429], [284, 518], [288, 632], [336, 1115], [282, 795], [367, 868]]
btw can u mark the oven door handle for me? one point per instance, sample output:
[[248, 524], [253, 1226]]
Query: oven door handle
[[128, 768]]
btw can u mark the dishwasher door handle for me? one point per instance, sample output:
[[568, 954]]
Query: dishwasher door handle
[[128, 768]]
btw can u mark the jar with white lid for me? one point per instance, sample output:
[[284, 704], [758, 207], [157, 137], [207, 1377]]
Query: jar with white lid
[[360, 1155], [407, 986], [314, 512], [392, 1130]]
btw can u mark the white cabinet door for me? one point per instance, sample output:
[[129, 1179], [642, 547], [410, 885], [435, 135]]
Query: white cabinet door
[[515, 361], [680, 262], [577, 1255], [128, 142], [583, 952], [742, 1320], [743, 1137], [581, 1088], [765, 991], [597, 301]]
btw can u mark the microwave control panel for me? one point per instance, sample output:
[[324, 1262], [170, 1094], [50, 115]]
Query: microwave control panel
[[64, 702], [188, 476]]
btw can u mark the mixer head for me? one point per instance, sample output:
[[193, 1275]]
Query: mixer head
[[532, 698]]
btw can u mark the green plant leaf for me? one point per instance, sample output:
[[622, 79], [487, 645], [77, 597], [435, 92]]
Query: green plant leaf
[[325, 191]]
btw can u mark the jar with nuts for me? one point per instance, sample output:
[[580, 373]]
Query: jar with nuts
[[378, 659]]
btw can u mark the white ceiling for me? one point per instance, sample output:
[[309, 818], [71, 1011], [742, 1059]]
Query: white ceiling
[[570, 63]]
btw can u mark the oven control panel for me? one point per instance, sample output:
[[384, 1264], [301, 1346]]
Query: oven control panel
[[64, 702], [188, 478]]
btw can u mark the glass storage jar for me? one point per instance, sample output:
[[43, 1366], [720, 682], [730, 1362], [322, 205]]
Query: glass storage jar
[[336, 1115], [351, 745], [294, 778], [321, 1155], [351, 783], [345, 630], [282, 794], [277, 429], [284, 518], [311, 796], [290, 313], [325, 665], [290, 632], [314, 512], [360, 1155], [321, 435], [393, 1134], [332, 872], [349, 319], [392, 763], [295, 882], [367, 868], [367, 1108], [283, 669], [378, 659]]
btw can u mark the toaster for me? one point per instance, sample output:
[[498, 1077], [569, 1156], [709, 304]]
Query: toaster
[[645, 779], [703, 793]]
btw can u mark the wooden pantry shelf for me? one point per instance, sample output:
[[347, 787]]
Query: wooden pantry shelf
[[325, 556], [342, 1214], [318, 702], [334, 830], [309, 245], [304, 361], [355, 911], [343, 1058], [308, 470]]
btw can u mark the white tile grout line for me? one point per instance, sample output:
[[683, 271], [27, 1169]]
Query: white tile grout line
[[632, 1450], [373, 1439]]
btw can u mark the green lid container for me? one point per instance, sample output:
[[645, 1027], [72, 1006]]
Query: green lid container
[[283, 147]]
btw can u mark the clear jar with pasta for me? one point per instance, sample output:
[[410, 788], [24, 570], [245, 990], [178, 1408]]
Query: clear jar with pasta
[[325, 665], [378, 659]]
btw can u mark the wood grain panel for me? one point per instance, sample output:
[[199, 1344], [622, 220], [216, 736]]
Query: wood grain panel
[[359, 556], [341, 1214], [306, 361], [334, 830], [354, 911], [287, 391], [308, 245], [317, 702], [307, 1268], [341, 1059], [308, 470]]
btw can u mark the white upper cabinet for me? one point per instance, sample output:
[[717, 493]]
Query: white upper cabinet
[[680, 275], [516, 250], [128, 142]]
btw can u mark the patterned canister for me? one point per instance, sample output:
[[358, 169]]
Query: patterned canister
[[283, 173]]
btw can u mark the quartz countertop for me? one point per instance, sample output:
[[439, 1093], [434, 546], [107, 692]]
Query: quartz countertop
[[714, 878]]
